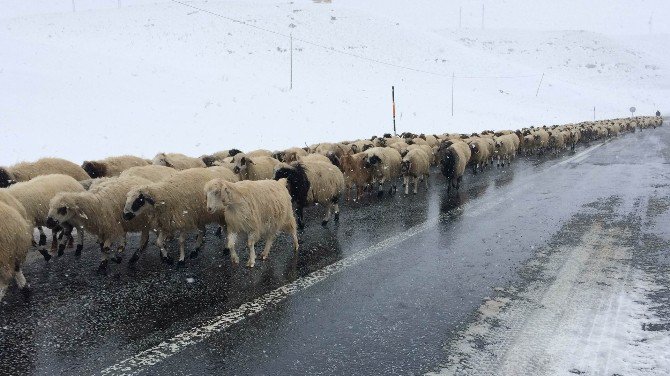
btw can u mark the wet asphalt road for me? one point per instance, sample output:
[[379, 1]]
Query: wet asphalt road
[[391, 313]]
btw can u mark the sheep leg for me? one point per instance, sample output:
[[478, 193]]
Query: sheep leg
[[3, 289], [161, 245], [198, 243], [144, 240], [54, 238], [405, 181], [41, 244], [104, 248], [251, 241], [380, 192], [232, 237], [182, 239], [219, 231], [268, 245], [299, 216], [80, 241], [416, 184], [327, 217], [336, 208], [21, 281]]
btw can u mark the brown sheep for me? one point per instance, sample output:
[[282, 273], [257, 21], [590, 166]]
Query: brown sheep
[[112, 166], [177, 161], [415, 165]]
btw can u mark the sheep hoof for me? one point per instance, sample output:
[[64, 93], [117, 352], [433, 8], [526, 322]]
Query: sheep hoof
[[337, 217], [117, 259], [194, 254], [324, 223], [77, 253], [102, 268], [167, 259], [26, 291], [250, 264], [133, 259], [43, 239], [45, 254], [181, 264], [219, 231], [61, 250]]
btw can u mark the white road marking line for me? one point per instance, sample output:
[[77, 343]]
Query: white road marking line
[[579, 156], [164, 350], [156, 354]]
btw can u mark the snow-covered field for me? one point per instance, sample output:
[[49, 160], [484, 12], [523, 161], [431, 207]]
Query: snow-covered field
[[115, 77]]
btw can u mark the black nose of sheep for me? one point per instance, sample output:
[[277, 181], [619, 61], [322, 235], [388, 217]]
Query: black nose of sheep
[[51, 223], [128, 216]]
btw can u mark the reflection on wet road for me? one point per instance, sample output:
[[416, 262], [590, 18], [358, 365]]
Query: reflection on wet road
[[378, 293]]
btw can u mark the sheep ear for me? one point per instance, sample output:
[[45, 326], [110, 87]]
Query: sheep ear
[[149, 200], [249, 161]]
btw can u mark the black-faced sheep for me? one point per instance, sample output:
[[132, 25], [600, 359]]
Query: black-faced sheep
[[177, 205], [100, 212], [312, 183], [15, 240], [384, 165], [177, 161], [25, 171], [112, 166], [35, 195], [454, 157], [415, 165], [259, 209]]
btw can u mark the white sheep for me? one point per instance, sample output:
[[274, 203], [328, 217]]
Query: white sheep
[[415, 165], [152, 173], [25, 171], [34, 195], [100, 212], [259, 209], [211, 159], [15, 240], [177, 161], [254, 168], [177, 205], [384, 164]]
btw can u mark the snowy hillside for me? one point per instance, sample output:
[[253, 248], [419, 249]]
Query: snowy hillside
[[163, 76]]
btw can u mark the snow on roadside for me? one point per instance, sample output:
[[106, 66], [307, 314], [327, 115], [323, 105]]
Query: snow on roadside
[[587, 312]]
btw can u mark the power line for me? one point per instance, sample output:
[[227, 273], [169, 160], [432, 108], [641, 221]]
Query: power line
[[333, 49]]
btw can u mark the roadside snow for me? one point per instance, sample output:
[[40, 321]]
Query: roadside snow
[[592, 318]]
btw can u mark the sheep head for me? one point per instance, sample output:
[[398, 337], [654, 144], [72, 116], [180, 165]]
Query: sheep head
[[219, 195], [137, 201], [64, 208], [94, 169], [6, 178]]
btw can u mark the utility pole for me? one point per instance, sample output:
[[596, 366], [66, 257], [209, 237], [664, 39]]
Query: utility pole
[[594, 113], [460, 17], [393, 106], [540, 84], [482, 16], [453, 77], [291, 85], [73, 8]]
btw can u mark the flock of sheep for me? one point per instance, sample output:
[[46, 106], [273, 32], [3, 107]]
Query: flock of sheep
[[257, 194]]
